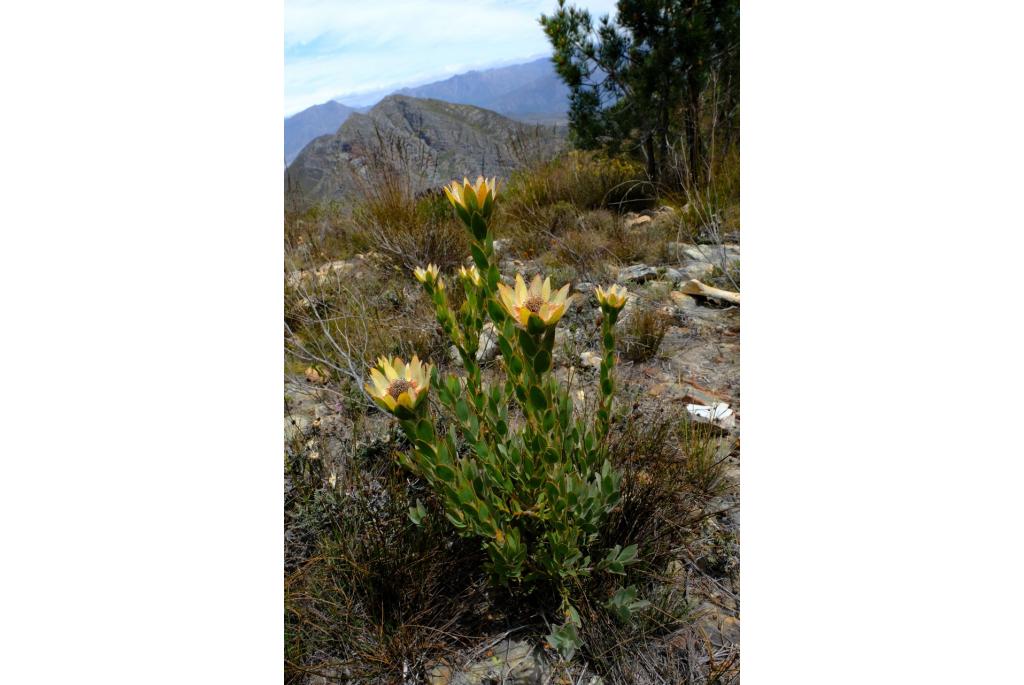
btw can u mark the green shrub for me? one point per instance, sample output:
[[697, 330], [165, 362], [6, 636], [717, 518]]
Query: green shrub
[[534, 486], [408, 230], [585, 179]]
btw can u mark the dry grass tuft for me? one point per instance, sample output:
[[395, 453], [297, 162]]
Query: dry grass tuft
[[642, 333]]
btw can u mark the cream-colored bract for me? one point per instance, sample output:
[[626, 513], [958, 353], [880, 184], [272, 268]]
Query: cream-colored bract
[[458, 192], [472, 274], [614, 297], [397, 384], [429, 274], [521, 302]]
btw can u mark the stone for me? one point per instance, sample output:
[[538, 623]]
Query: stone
[[295, 425], [510, 662], [673, 275], [329, 672], [697, 270], [682, 300], [638, 273], [488, 349], [584, 288], [712, 254], [439, 674], [590, 359], [721, 629], [632, 220]]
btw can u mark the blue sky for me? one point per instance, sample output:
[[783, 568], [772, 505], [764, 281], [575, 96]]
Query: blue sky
[[336, 47]]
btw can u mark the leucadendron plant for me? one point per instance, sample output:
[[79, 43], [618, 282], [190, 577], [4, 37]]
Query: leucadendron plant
[[534, 489]]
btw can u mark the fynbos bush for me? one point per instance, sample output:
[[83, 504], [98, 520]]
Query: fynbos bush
[[534, 488]]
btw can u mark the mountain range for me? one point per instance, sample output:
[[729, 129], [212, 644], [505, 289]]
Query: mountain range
[[431, 141], [530, 92]]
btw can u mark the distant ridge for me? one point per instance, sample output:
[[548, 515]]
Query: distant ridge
[[315, 121], [439, 141], [530, 92]]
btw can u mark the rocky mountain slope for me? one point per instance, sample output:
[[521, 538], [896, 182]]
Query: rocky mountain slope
[[429, 140], [530, 92], [315, 121]]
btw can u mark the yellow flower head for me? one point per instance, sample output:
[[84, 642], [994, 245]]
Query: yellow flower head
[[428, 275], [472, 196], [614, 297], [472, 274], [536, 300], [396, 384]]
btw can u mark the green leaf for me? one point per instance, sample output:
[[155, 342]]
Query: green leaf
[[515, 365], [542, 361], [628, 555], [479, 257], [527, 342], [417, 513], [537, 399], [566, 640], [535, 325], [462, 410], [445, 473], [425, 431], [459, 522], [495, 311], [479, 228]]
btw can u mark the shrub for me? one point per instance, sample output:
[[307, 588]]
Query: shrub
[[643, 332], [408, 230], [365, 593], [706, 452], [543, 197], [340, 321], [534, 487], [585, 179]]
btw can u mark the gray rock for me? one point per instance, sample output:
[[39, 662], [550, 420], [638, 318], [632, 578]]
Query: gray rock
[[584, 288], [713, 254], [488, 349], [507, 663], [674, 275], [590, 359], [683, 301], [295, 425], [638, 273], [698, 270]]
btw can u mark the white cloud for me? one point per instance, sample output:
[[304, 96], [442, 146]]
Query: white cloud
[[357, 46]]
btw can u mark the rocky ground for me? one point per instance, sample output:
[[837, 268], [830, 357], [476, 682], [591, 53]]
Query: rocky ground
[[697, 363]]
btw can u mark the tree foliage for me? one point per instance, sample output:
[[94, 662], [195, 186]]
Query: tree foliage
[[660, 77]]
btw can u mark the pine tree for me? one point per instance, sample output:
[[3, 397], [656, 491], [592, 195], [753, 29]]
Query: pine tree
[[645, 77]]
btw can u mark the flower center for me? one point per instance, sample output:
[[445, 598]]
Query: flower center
[[533, 304], [398, 386]]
